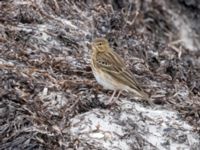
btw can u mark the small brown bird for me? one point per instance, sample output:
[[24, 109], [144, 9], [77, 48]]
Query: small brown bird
[[111, 72]]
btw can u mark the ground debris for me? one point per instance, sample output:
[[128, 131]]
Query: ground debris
[[49, 98]]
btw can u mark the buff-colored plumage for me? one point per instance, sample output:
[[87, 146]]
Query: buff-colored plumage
[[110, 71]]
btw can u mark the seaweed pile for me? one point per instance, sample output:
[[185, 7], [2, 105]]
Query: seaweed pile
[[47, 84]]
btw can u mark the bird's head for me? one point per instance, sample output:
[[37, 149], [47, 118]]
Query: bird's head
[[100, 45]]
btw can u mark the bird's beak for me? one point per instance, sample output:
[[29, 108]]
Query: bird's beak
[[89, 45]]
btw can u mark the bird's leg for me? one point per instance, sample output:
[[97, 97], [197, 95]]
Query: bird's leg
[[118, 94], [116, 98], [111, 98]]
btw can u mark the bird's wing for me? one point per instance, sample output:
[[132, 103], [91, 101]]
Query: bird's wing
[[111, 63]]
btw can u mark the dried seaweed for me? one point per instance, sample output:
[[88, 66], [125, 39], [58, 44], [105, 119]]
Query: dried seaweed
[[46, 80]]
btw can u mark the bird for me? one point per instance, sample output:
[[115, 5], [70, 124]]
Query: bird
[[111, 72]]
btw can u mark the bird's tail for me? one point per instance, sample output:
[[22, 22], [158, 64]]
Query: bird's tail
[[139, 92]]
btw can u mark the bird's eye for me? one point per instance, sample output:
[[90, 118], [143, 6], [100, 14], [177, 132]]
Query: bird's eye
[[100, 44]]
